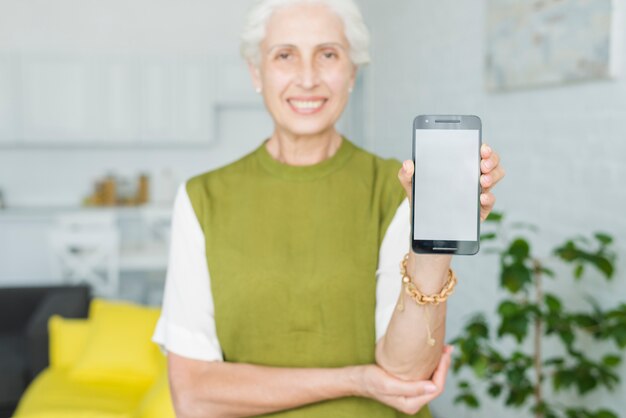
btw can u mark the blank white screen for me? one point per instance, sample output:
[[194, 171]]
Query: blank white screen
[[446, 184]]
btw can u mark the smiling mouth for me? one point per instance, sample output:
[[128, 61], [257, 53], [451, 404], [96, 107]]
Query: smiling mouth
[[306, 107]]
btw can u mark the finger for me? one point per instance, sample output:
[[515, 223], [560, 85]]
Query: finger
[[488, 164], [410, 406], [488, 181], [440, 373], [487, 202], [485, 151], [406, 388], [405, 175], [497, 174], [439, 376]]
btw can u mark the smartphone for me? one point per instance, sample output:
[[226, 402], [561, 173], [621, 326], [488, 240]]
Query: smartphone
[[445, 212]]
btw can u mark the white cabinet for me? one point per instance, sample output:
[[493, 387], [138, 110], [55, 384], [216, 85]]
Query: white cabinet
[[195, 98], [117, 79], [118, 100], [57, 100]]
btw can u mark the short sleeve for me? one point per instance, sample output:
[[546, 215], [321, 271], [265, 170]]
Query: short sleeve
[[388, 284], [187, 322]]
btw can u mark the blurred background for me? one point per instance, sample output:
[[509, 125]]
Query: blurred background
[[106, 107]]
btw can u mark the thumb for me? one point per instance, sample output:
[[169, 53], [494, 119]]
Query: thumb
[[405, 175]]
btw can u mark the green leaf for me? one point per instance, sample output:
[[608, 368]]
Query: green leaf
[[494, 217], [611, 360], [518, 392], [605, 239], [464, 384], [579, 270], [495, 389], [480, 367], [567, 336], [554, 304], [563, 379], [554, 361], [586, 383], [620, 337], [508, 308], [603, 264], [515, 276], [584, 320], [516, 326], [605, 413], [468, 399], [519, 249], [568, 251], [488, 236], [478, 329]]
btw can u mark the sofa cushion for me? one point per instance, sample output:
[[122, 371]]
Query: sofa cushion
[[13, 379], [69, 302], [119, 346], [67, 340], [157, 403], [54, 393]]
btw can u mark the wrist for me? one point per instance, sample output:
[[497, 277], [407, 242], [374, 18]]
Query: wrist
[[353, 378], [429, 271]]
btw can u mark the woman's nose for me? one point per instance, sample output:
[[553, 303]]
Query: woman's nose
[[308, 76]]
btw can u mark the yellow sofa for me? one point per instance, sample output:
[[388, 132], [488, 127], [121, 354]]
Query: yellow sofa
[[104, 366]]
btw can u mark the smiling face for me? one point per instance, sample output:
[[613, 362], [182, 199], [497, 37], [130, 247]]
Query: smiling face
[[305, 71]]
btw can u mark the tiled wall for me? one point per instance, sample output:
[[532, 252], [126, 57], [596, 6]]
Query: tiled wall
[[564, 148]]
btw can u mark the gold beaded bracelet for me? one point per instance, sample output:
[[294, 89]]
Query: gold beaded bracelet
[[422, 299], [417, 296]]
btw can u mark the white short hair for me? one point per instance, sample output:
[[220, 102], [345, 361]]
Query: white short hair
[[355, 30]]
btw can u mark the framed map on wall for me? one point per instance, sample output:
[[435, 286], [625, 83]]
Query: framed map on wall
[[545, 42]]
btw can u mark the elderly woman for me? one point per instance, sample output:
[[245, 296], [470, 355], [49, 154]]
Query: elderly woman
[[283, 280]]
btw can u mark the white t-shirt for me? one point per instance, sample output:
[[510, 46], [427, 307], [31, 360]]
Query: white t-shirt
[[187, 323]]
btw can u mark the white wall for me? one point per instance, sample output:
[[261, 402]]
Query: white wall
[[563, 147]]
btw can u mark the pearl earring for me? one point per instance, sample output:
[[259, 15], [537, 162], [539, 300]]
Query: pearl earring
[[350, 90], [258, 89]]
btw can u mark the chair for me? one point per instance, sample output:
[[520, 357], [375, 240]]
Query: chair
[[85, 249], [158, 223], [145, 256]]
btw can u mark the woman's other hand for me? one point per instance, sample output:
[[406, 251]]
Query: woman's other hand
[[491, 173], [405, 396]]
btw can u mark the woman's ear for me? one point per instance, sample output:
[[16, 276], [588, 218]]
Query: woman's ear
[[255, 73], [353, 77]]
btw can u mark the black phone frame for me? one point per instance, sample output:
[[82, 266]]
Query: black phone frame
[[446, 246]]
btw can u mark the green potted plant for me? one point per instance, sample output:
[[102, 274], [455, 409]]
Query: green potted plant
[[528, 315]]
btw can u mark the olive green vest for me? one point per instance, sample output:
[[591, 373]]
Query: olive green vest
[[292, 255]]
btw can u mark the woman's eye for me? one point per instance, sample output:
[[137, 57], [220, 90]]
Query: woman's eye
[[283, 55], [330, 54]]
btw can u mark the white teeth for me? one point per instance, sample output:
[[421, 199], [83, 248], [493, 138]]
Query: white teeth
[[306, 104]]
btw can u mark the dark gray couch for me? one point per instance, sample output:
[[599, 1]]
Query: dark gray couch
[[24, 314]]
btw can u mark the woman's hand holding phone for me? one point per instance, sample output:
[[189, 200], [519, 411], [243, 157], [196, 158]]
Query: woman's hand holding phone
[[491, 173]]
